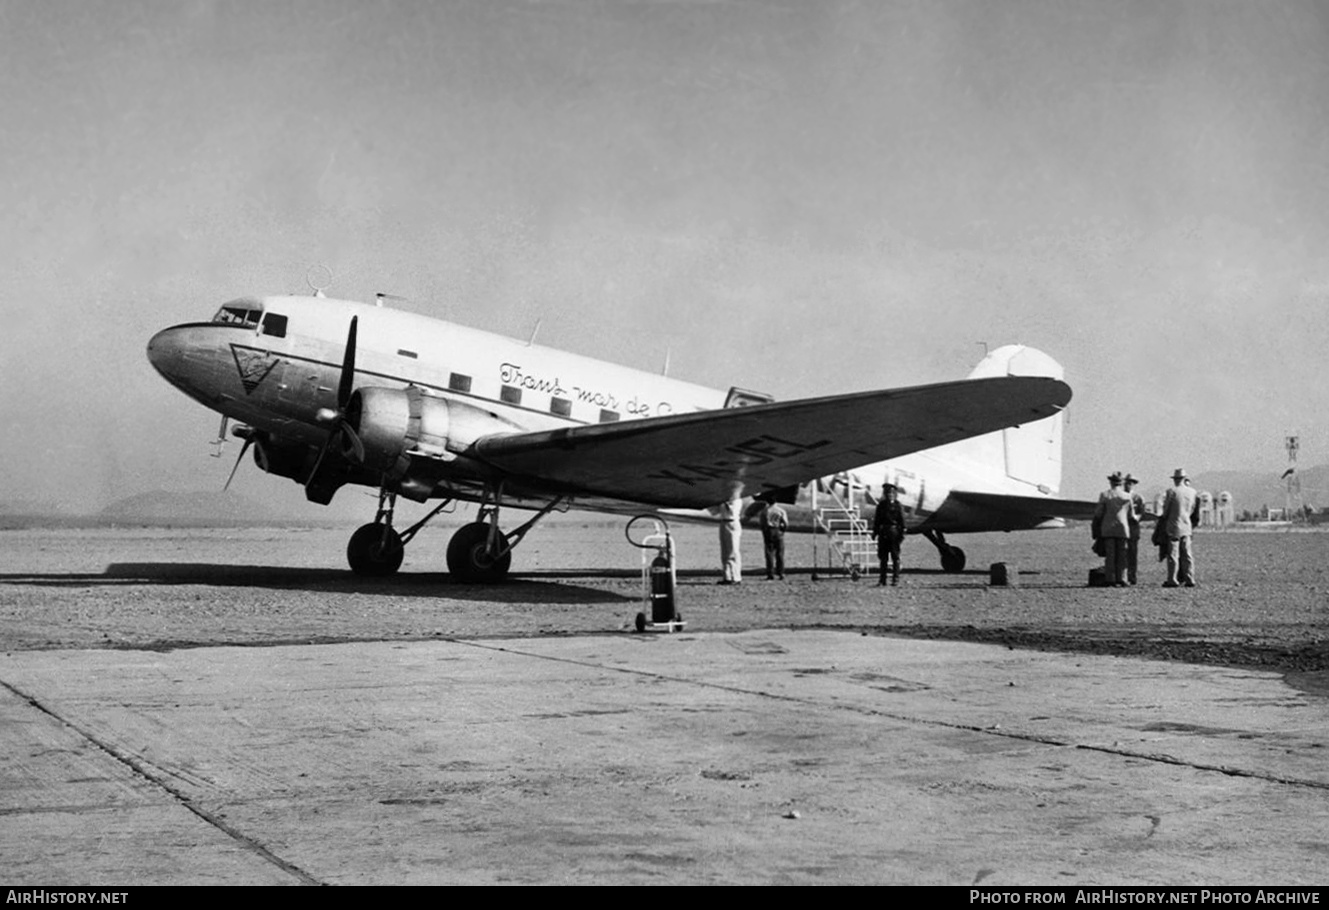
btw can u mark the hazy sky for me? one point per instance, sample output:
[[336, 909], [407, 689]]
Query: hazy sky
[[799, 197]]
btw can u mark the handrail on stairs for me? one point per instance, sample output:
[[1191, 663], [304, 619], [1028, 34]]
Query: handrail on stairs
[[847, 536]]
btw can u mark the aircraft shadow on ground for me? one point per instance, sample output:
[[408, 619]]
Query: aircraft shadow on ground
[[516, 589]]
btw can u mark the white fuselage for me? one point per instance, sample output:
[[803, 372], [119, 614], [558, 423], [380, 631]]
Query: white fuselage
[[274, 363], [279, 383]]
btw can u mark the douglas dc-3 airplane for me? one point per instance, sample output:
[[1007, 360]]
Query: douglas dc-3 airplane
[[333, 392]]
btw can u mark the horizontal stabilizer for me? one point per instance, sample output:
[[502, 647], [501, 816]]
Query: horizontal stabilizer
[[964, 510]]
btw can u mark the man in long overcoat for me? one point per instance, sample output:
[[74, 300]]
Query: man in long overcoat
[[1112, 527]]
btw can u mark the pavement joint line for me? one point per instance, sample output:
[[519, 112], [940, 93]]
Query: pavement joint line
[[1156, 757], [140, 768]]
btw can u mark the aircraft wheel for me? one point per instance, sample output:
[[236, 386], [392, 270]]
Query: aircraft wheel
[[370, 554], [952, 560], [641, 622], [467, 559]]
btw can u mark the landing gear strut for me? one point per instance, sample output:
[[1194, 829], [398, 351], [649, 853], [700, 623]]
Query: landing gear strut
[[952, 558], [481, 552], [376, 548]]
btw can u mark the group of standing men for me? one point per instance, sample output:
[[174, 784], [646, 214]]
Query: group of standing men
[[887, 528], [1116, 530], [774, 522]]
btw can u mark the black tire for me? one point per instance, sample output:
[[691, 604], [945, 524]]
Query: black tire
[[370, 552], [952, 560], [641, 622], [467, 560]]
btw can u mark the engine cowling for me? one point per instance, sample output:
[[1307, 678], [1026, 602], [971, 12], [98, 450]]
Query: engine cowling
[[293, 461], [395, 424]]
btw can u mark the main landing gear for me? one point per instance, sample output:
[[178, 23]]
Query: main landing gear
[[376, 548], [479, 552], [952, 558]]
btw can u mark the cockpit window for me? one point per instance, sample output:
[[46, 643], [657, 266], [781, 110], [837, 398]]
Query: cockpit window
[[236, 314], [274, 324]]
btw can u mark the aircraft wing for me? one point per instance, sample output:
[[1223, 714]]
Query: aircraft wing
[[967, 510], [701, 459]]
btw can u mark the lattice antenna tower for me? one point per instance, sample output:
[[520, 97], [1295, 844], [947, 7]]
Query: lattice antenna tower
[[1292, 498]]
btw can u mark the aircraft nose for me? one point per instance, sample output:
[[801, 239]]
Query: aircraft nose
[[164, 352]]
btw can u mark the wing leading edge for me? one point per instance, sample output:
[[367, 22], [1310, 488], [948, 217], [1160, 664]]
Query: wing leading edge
[[698, 460]]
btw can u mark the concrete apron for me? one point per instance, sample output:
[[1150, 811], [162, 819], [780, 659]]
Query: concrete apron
[[760, 757]]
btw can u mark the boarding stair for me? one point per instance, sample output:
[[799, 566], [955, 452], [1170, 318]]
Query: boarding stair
[[849, 544]]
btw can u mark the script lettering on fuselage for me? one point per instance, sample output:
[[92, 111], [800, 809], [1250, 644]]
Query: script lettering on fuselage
[[599, 399], [512, 374], [756, 451]]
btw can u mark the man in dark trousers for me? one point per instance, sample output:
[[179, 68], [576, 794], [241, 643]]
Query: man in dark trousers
[[1133, 539], [774, 522], [1181, 512], [888, 529]]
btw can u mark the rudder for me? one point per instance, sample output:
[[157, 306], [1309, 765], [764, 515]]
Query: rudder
[[1031, 452]]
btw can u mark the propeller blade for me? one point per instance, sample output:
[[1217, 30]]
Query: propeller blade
[[341, 434], [351, 447], [235, 467], [318, 462], [344, 388]]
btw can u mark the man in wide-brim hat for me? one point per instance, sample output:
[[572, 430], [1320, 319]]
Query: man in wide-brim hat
[[1133, 521], [1111, 528], [1181, 511]]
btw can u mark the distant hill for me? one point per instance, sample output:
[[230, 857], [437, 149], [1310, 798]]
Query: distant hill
[[198, 507]]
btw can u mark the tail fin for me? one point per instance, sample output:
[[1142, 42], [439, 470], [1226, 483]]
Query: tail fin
[[1031, 453]]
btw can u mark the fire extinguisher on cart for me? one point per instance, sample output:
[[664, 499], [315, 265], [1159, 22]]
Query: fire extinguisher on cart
[[659, 582], [662, 587]]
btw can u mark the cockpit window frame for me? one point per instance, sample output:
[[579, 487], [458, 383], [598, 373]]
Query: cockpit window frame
[[241, 313]]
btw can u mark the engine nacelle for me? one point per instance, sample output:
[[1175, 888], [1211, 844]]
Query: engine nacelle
[[293, 461], [394, 424]]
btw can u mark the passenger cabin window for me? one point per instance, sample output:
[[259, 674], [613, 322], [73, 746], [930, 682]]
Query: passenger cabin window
[[274, 324], [459, 383], [510, 394], [560, 407], [608, 416], [231, 314]]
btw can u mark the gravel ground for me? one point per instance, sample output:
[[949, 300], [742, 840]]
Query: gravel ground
[[1261, 601]]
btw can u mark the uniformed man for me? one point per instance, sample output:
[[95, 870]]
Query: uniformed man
[[888, 529]]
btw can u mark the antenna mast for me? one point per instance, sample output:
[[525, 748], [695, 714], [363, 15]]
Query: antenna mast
[[1292, 498]]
